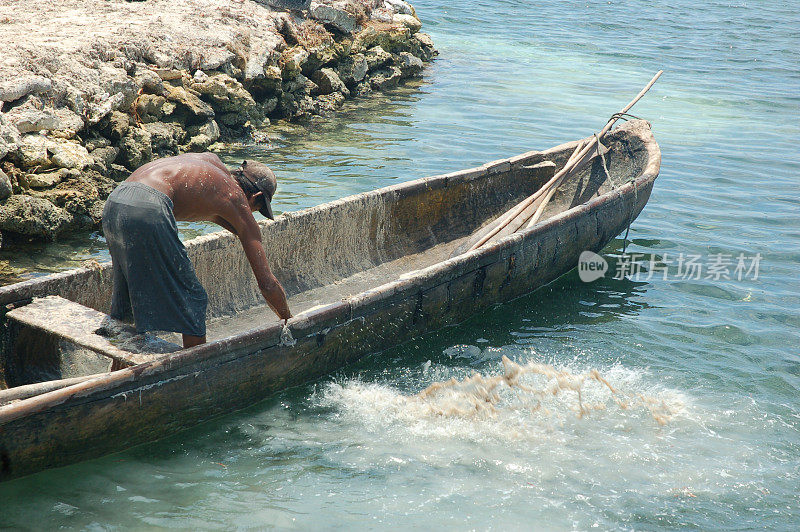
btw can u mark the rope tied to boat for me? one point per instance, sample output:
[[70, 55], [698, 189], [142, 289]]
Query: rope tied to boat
[[528, 212], [614, 185], [624, 116]]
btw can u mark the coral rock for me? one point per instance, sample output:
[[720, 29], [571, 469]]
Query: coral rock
[[30, 117], [136, 148], [353, 69], [31, 216], [328, 81], [386, 78], [335, 16], [68, 154], [190, 100], [9, 137], [14, 89], [32, 152], [409, 21], [409, 64], [376, 57], [5, 186]]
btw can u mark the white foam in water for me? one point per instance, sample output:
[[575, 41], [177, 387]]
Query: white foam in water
[[523, 402]]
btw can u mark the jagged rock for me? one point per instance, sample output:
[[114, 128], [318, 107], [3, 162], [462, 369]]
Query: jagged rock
[[118, 126], [116, 82], [362, 88], [424, 39], [286, 27], [165, 137], [30, 116], [152, 108], [399, 6], [26, 215], [96, 142], [9, 137], [300, 84], [221, 59], [190, 100], [409, 21], [385, 78], [352, 69], [169, 74], [328, 81], [324, 53], [267, 83], [297, 5], [267, 106], [150, 81], [295, 105], [226, 94], [292, 60], [209, 129], [45, 180], [422, 46], [408, 64], [97, 111], [69, 124], [68, 154], [335, 16], [202, 136], [5, 186], [394, 39], [32, 152], [135, 149], [328, 103], [376, 57], [118, 173], [14, 89], [103, 157], [79, 196], [383, 14], [104, 187], [200, 77]]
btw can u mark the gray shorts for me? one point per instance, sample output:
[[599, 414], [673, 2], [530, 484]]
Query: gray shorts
[[154, 282]]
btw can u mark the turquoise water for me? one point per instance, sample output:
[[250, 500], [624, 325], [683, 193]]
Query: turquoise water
[[720, 357]]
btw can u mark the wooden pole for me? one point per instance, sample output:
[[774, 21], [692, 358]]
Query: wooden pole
[[575, 163]]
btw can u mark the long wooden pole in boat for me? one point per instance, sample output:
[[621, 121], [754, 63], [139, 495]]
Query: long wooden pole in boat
[[575, 162], [30, 390]]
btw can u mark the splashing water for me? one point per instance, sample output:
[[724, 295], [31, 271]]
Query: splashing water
[[520, 403], [480, 394]]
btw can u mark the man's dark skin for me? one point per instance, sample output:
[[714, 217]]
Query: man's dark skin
[[202, 189]]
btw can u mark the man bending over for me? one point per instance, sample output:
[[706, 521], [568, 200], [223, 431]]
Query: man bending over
[[153, 278]]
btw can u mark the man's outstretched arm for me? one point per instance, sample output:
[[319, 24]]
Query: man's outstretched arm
[[246, 228], [270, 287]]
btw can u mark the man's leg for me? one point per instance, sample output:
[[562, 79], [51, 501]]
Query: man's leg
[[191, 341]]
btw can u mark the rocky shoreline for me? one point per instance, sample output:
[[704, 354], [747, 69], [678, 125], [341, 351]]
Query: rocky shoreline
[[80, 111]]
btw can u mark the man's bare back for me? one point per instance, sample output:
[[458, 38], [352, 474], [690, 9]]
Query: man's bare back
[[202, 188]]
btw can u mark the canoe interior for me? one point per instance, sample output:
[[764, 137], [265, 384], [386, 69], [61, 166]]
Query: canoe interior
[[327, 253]]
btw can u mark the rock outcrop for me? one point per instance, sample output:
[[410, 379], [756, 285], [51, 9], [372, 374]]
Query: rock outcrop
[[79, 113]]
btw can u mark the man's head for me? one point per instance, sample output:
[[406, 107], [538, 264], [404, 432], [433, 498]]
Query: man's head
[[259, 185]]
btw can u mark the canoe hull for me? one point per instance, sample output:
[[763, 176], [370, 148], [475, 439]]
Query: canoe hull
[[156, 399]]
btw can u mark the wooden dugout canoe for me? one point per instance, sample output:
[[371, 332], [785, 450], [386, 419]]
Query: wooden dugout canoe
[[363, 273]]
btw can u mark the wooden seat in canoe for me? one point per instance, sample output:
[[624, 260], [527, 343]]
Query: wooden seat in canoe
[[60, 324]]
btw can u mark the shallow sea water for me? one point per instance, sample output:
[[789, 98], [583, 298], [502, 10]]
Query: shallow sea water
[[359, 449]]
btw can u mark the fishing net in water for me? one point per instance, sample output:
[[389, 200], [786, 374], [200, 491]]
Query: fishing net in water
[[534, 383]]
